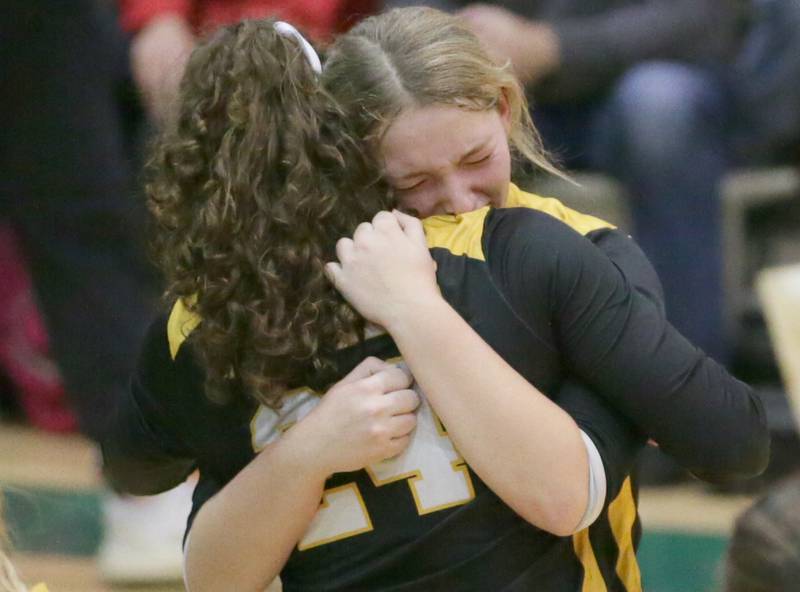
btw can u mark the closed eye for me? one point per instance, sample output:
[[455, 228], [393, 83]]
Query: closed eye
[[476, 161], [416, 185]]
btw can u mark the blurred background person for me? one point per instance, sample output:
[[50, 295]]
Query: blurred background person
[[164, 32], [35, 389], [69, 164], [638, 90], [667, 97], [764, 553], [66, 190]]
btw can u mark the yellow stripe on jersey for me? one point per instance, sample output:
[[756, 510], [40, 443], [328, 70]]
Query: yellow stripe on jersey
[[460, 234], [181, 323], [583, 223], [592, 578], [621, 516], [39, 588]]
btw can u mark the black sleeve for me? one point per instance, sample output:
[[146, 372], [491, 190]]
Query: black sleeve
[[616, 438], [141, 453], [629, 258], [618, 342]]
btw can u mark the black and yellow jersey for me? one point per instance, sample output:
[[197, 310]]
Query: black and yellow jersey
[[552, 304], [601, 320]]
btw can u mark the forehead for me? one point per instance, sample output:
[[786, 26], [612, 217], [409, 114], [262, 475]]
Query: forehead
[[428, 137]]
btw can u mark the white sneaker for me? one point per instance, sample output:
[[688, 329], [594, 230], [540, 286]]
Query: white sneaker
[[143, 536]]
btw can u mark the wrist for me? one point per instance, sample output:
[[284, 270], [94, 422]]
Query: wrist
[[411, 317], [300, 453]]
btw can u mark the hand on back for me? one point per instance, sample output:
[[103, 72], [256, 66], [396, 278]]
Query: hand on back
[[385, 271], [366, 417]]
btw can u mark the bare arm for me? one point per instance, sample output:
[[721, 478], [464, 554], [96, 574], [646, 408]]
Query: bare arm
[[526, 449], [366, 417], [267, 520]]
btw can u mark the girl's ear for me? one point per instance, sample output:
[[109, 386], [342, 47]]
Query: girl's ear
[[504, 109]]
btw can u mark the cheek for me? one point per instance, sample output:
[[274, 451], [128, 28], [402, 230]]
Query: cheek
[[421, 202], [502, 179], [492, 182]]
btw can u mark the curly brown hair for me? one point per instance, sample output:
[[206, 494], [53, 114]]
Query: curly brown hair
[[251, 185]]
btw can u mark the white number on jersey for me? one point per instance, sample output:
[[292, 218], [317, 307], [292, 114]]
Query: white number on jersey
[[437, 475]]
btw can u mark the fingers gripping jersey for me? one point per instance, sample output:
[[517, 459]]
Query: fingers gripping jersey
[[436, 475]]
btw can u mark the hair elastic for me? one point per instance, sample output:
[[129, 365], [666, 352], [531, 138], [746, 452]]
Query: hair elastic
[[288, 30]]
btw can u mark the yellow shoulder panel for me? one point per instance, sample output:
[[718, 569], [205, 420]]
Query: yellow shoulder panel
[[461, 234], [181, 323], [582, 223], [39, 588]]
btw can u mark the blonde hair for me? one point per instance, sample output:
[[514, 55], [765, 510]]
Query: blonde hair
[[416, 57]]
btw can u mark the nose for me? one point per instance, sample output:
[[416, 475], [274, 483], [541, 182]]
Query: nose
[[456, 197]]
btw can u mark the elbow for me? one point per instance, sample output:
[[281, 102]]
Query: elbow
[[756, 454], [563, 528], [562, 522], [746, 456], [748, 459], [753, 448], [559, 515]]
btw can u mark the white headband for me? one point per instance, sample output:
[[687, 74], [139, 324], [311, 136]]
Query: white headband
[[288, 30]]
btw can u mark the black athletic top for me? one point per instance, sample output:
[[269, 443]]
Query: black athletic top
[[551, 303]]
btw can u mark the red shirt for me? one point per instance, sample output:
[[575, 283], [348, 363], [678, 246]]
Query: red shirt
[[320, 19]]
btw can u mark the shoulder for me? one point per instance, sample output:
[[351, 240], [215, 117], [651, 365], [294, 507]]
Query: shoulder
[[510, 240], [460, 235], [166, 364], [578, 221], [182, 320], [519, 229]]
